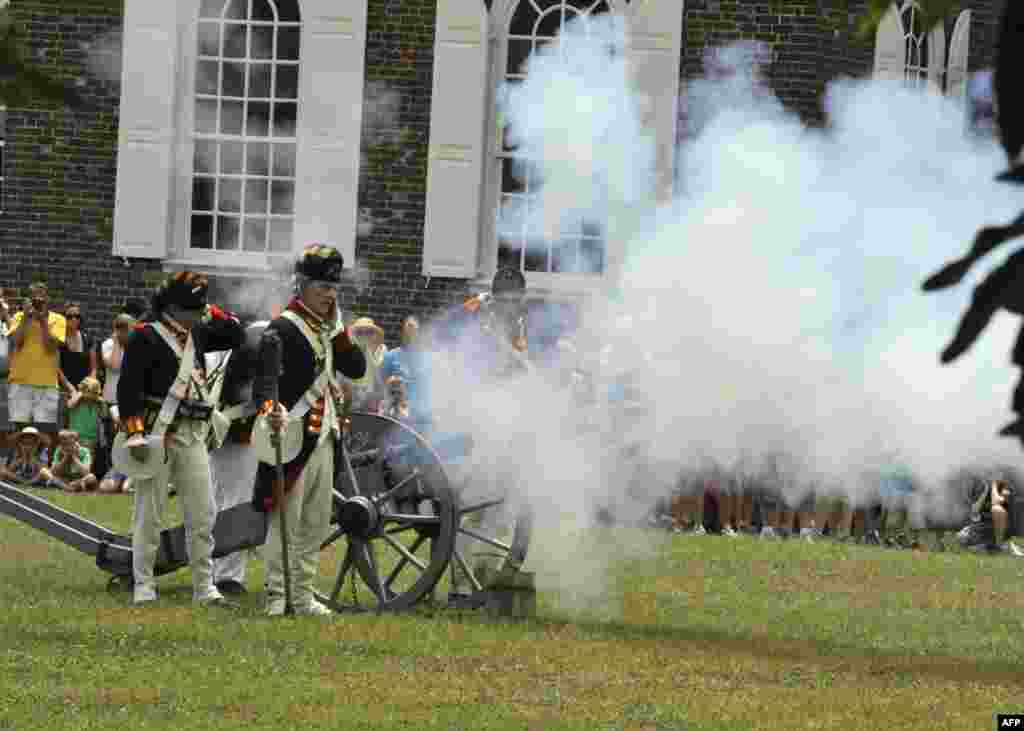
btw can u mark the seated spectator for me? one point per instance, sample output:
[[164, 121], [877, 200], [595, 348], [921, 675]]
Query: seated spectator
[[25, 466], [78, 358], [406, 371], [86, 413], [72, 465], [368, 392], [5, 351], [115, 482], [34, 390], [990, 519]]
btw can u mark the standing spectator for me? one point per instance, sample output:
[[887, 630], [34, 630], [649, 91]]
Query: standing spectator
[[5, 363], [34, 394], [25, 466], [77, 355], [406, 371], [72, 465], [86, 413], [368, 391], [111, 356]]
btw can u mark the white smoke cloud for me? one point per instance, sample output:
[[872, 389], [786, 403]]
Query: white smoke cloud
[[776, 300]]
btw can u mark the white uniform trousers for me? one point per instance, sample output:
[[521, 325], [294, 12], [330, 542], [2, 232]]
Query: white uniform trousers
[[233, 467], [309, 505], [188, 467]]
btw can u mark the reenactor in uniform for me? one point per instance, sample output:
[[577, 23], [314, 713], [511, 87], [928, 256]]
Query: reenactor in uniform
[[314, 346], [233, 461], [165, 421]]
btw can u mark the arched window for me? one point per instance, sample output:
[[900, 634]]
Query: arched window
[[579, 248], [915, 43], [244, 132]]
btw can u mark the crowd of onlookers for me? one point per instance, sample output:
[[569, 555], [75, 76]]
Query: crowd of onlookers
[[58, 411], [58, 416]]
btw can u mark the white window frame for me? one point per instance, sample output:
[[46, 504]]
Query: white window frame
[[915, 44], [567, 285], [244, 177], [180, 252]]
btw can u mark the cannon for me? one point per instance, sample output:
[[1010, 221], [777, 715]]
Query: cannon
[[399, 530]]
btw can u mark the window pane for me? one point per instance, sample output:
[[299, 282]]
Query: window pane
[[262, 42], [257, 123], [510, 253], [206, 77], [256, 196], [259, 81], [233, 81], [592, 256], [257, 159], [255, 234], [231, 118], [288, 10], [287, 84], [280, 234], [202, 232], [282, 194], [206, 115], [550, 24], [261, 10], [227, 232], [231, 158], [284, 161], [523, 20], [229, 195], [284, 119], [288, 44], [202, 194], [204, 157], [518, 50], [237, 10], [536, 259], [211, 8], [209, 39], [510, 172], [234, 40]]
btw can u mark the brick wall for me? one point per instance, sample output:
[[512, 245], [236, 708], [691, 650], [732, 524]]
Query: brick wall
[[60, 167]]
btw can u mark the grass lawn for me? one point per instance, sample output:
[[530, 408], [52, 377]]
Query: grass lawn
[[706, 633]]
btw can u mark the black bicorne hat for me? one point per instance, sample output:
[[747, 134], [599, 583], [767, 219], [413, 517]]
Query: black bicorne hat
[[186, 290], [319, 261]]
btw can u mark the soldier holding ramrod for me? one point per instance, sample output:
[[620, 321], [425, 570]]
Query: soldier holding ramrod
[[314, 345]]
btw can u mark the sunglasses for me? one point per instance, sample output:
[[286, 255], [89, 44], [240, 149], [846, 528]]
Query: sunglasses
[[73, 316]]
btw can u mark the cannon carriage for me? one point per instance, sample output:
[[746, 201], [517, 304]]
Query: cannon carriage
[[399, 527]]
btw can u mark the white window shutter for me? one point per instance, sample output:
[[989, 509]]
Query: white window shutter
[[145, 142], [959, 46], [936, 57], [654, 40], [331, 58], [890, 47], [455, 164]]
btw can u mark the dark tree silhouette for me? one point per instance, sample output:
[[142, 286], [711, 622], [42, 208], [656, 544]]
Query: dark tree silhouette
[[1004, 287]]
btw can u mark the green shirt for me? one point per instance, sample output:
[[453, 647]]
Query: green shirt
[[85, 420], [83, 456]]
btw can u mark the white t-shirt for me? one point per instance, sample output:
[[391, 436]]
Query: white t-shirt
[[111, 374]]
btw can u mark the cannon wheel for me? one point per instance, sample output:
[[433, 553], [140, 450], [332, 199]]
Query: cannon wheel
[[393, 524], [493, 538]]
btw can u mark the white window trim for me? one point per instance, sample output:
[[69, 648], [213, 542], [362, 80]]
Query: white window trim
[[567, 287], [180, 255]]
